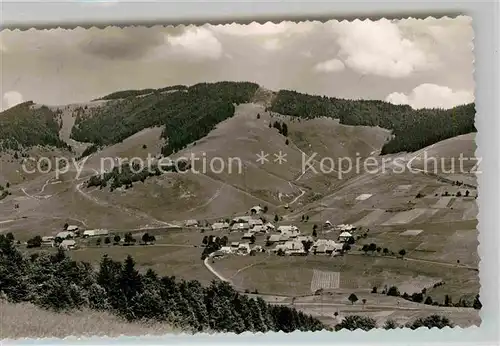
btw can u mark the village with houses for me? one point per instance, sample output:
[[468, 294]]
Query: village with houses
[[250, 233]]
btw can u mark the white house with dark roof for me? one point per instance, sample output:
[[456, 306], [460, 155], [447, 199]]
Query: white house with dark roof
[[287, 228], [345, 227], [244, 248], [326, 246], [244, 218], [218, 226], [275, 238], [48, 241], [95, 232], [65, 235], [291, 248], [68, 244], [240, 226], [191, 223], [290, 231], [226, 250], [344, 237]]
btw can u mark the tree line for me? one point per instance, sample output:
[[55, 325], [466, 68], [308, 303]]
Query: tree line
[[54, 281], [412, 129], [365, 323], [424, 297]]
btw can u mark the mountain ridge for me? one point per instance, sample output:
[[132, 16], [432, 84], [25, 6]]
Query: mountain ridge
[[196, 109]]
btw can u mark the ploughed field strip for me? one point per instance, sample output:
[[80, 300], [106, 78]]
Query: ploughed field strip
[[412, 232], [405, 217], [371, 218], [324, 280]]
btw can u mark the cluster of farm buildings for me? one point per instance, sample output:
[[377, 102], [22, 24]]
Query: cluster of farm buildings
[[286, 239], [66, 239]]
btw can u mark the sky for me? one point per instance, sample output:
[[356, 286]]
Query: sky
[[424, 63]]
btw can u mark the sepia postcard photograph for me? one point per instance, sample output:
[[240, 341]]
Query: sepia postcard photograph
[[263, 177]]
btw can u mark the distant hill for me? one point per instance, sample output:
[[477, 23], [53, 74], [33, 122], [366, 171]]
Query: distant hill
[[412, 129], [187, 114], [27, 125]]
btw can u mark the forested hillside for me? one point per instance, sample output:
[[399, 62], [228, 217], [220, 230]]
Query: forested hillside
[[187, 115], [412, 129], [127, 174], [25, 126], [56, 282]]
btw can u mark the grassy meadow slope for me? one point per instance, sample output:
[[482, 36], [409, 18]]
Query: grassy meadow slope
[[28, 321], [453, 159]]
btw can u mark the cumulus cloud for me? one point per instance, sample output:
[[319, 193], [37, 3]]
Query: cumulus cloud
[[431, 96], [379, 48], [332, 65], [270, 36], [272, 44], [265, 29], [11, 98], [120, 43], [198, 42]]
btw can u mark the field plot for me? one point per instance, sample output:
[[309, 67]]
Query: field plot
[[416, 284], [471, 212], [293, 276], [449, 215], [402, 190], [373, 218], [404, 187], [405, 217], [324, 280], [178, 261], [412, 232], [460, 245], [444, 202], [363, 196]]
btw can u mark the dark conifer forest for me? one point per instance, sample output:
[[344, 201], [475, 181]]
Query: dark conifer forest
[[412, 129], [26, 126], [190, 113], [54, 281], [187, 114]]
